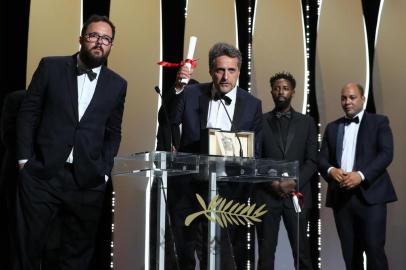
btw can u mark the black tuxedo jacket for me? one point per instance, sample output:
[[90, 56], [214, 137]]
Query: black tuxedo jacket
[[373, 154], [191, 110], [301, 145], [48, 125]]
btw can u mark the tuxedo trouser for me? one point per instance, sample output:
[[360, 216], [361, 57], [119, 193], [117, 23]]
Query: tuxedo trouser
[[362, 228], [39, 202], [268, 231]]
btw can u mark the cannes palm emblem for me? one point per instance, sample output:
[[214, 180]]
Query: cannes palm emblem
[[225, 213]]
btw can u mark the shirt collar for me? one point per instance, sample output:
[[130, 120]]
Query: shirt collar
[[274, 111]]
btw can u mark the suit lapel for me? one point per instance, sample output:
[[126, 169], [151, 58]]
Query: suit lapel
[[276, 131], [204, 106], [291, 131], [339, 142], [99, 92], [238, 111], [360, 137], [72, 83]]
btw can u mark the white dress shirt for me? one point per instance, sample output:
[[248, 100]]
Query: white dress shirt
[[350, 144], [86, 89], [217, 116]]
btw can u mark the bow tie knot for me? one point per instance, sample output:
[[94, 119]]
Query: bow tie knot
[[218, 96], [348, 121], [90, 73], [283, 114]]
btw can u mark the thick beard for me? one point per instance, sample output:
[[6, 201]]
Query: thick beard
[[282, 105], [89, 60]]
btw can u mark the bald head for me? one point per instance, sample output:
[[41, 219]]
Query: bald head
[[354, 85]]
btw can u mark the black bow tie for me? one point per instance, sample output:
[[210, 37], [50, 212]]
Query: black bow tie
[[283, 114], [218, 96], [81, 70], [348, 121]]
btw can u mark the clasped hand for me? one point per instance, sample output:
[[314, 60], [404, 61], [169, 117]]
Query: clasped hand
[[347, 180], [283, 188]]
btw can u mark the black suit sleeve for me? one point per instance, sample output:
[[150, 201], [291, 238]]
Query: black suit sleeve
[[112, 136], [324, 155], [30, 112], [309, 165], [176, 109], [257, 128], [384, 156]]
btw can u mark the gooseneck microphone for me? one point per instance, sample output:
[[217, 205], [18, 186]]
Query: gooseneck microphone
[[172, 145], [221, 96]]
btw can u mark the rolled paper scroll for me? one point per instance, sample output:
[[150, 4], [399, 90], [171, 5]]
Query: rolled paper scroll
[[191, 51]]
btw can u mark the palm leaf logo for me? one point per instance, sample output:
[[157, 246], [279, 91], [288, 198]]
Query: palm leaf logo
[[225, 213]]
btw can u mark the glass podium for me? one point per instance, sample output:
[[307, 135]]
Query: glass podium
[[191, 210]]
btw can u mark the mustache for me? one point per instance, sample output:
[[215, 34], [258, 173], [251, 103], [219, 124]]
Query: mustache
[[281, 99], [282, 102], [98, 47]]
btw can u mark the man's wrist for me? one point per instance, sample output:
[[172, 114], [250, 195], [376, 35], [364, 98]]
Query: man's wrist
[[362, 175], [179, 87], [329, 170]]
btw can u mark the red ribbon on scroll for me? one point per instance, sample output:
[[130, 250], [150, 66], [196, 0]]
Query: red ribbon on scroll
[[169, 64], [300, 198]]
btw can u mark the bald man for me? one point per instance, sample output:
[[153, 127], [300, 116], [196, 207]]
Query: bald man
[[355, 153]]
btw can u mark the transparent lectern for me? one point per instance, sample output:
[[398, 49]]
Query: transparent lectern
[[173, 193]]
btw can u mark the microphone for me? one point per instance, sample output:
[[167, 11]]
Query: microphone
[[227, 100], [158, 91]]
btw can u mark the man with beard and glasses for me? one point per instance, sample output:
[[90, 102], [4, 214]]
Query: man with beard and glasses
[[68, 132], [290, 136]]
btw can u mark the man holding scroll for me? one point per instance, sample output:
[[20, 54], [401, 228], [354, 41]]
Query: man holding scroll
[[218, 104]]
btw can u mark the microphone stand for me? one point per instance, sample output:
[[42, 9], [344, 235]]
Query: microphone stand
[[228, 101]]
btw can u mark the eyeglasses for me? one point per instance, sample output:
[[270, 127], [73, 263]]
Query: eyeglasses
[[95, 37]]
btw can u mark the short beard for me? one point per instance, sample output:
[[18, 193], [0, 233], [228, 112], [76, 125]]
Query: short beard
[[282, 105], [89, 60]]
